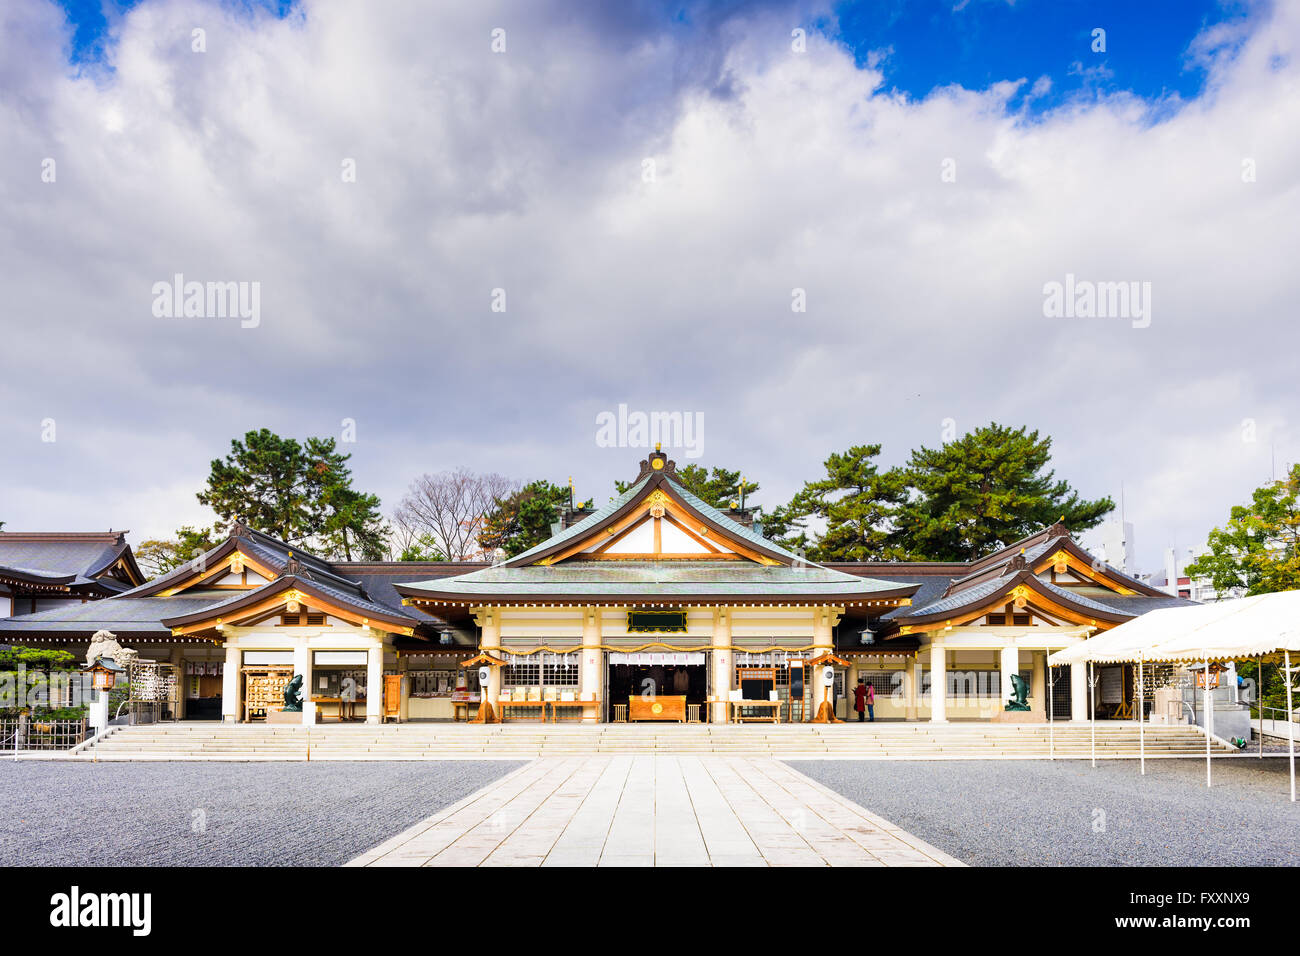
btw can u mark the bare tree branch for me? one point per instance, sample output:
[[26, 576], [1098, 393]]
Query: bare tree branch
[[448, 508]]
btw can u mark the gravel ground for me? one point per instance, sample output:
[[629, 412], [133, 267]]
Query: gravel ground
[[1044, 813], [220, 814]]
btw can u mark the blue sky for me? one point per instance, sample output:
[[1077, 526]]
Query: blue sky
[[933, 43], [986, 41]]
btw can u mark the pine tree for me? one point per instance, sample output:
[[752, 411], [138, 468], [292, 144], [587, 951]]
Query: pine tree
[[984, 491], [523, 519], [299, 493], [855, 500]]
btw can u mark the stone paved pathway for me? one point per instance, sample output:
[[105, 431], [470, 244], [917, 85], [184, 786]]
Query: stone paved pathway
[[648, 810]]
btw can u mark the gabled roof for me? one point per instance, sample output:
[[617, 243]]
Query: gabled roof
[[768, 574], [84, 559], [990, 593], [658, 473], [152, 609], [351, 602], [1038, 552], [271, 553]]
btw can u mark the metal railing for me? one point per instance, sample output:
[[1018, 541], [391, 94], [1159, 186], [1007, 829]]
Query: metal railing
[[26, 734]]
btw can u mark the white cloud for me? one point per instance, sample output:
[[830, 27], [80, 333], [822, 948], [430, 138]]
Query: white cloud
[[523, 171]]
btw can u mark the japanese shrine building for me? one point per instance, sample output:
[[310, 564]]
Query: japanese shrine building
[[657, 596]]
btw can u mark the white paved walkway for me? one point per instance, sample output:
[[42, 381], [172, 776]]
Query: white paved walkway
[[644, 810]]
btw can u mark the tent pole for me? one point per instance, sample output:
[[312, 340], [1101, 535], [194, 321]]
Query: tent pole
[[1290, 723], [1092, 709], [1207, 720], [1259, 702], [1142, 739], [1051, 711]]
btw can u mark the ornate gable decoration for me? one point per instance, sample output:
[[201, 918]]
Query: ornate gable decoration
[[659, 524]]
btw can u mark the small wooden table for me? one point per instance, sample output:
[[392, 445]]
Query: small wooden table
[[566, 703], [504, 705], [773, 716], [462, 705], [347, 708]]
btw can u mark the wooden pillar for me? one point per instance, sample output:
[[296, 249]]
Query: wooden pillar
[[182, 691], [489, 621], [911, 688], [302, 666], [591, 663], [723, 661], [230, 686], [938, 683], [375, 682]]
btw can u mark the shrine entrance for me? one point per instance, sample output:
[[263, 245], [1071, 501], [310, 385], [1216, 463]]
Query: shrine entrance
[[678, 682]]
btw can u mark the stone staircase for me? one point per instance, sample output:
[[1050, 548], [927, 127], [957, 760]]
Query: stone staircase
[[882, 741]]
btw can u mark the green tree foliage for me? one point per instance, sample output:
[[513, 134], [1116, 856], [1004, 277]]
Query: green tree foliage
[[523, 519], [299, 493], [36, 659], [38, 663], [983, 491], [157, 556], [784, 525], [422, 548], [262, 482], [856, 501], [1258, 550]]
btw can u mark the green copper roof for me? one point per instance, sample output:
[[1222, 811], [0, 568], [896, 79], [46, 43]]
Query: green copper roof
[[587, 523], [574, 580], [651, 579]]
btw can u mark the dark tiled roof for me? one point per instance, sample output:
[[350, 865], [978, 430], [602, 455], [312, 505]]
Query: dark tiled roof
[[1137, 604], [930, 589], [117, 614], [82, 555], [379, 578]]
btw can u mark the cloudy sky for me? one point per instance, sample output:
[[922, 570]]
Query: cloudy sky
[[648, 183]]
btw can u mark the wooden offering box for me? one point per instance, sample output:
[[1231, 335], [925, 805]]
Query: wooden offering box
[[657, 708]]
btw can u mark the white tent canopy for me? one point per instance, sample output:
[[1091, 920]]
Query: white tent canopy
[[1257, 626], [1249, 627]]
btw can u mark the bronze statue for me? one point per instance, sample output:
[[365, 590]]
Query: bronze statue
[[293, 695], [1019, 692]]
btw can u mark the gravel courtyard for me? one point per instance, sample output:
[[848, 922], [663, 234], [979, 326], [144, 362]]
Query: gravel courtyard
[[220, 814], [1044, 813]]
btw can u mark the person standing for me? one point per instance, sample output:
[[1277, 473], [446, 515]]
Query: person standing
[[871, 703], [860, 699]]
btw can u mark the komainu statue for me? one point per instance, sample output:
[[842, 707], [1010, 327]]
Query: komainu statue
[[104, 644], [293, 695], [1019, 694]]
